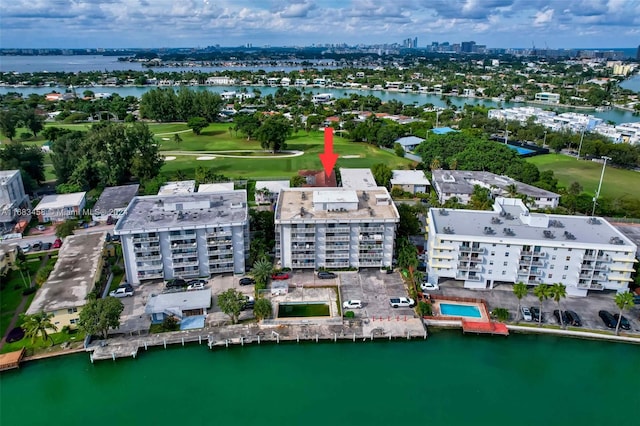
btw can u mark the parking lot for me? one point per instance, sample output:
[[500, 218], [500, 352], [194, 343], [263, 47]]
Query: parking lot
[[586, 307], [374, 289]]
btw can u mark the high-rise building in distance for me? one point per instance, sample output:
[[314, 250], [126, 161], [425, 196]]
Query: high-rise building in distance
[[638, 54]]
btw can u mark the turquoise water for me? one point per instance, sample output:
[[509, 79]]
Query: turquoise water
[[521, 151], [460, 310], [449, 379]]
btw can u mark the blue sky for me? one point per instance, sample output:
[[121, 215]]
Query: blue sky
[[192, 23]]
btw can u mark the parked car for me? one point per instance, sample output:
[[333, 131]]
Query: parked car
[[526, 314], [247, 281], [41, 227], [46, 246], [57, 243], [427, 286], [624, 322], [176, 283], [557, 314], [115, 238], [37, 246], [573, 319], [122, 292], [249, 303], [352, 304], [402, 302], [280, 276], [325, 275], [26, 248], [535, 314], [608, 319], [196, 284], [107, 237]]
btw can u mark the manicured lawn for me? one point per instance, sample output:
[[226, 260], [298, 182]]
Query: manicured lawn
[[617, 183], [39, 345]]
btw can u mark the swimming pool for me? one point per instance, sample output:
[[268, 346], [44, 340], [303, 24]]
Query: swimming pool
[[460, 310], [521, 151]]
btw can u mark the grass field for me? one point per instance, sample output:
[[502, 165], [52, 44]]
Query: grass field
[[217, 137], [617, 183]]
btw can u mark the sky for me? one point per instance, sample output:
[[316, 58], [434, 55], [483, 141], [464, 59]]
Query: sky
[[199, 23]]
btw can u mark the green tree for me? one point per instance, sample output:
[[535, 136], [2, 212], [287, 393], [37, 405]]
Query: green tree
[[623, 301], [409, 223], [170, 323], [262, 308], [27, 158], [520, 290], [65, 228], [541, 291], [23, 268], [197, 124], [261, 271], [273, 133], [99, 315], [382, 174], [177, 139], [558, 291], [231, 302], [398, 149], [32, 121], [297, 181], [38, 324], [8, 123], [247, 124]]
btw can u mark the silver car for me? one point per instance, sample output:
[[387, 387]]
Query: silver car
[[526, 314]]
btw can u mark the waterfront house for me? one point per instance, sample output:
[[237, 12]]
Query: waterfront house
[[60, 207], [181, 304]]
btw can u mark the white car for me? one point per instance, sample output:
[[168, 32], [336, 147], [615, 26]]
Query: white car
[[427, 286], [122, 292], [526, 314], [352, 304], [195, 286], [402, 302]]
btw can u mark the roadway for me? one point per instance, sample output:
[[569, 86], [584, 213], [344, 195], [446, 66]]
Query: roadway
[[50, 237]]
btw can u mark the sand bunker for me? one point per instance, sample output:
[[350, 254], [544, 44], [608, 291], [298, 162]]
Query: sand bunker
[[350, 156], [169, 158], [205, 158], [166, 139]]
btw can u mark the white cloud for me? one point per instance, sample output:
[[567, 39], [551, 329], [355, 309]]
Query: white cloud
[[543, 17]]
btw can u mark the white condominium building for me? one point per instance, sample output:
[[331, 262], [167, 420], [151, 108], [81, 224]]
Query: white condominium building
[[509, 245], [184, 235], [335, 227]]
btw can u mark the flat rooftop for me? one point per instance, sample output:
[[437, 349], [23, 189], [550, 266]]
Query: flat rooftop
[[178, 301], [273, 186], [59, 201], [562, 230], [293, 201], [5, 175], [115, 198], [463, 181], [357, 178], [179, 187], [73, 276], [169, 212], [409, 177], [216, 187]]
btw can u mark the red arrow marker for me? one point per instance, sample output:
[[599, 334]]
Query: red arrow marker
[[328, 157]]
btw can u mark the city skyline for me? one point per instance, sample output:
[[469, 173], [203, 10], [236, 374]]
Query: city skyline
[[163, 23]]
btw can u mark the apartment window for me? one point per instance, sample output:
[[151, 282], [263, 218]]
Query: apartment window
[[568, 258], [553, 257], [504, 272], [491, 262], [506, 254], [550, 276], [493, 253], [552, 267], [566, 268], [505, 264], [73, 321], [493, 245], [564, 277], [570, 249], [72, 310], [490, 271], [555, 249]]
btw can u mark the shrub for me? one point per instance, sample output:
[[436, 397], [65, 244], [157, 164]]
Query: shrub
[[28, 291], [501, 314], [349, 314], [116, 269], [170, 323], [424, 309]]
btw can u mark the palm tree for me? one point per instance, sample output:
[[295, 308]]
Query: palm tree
[[520, 290], [38, 324], [541, 291], [435, 164], [261, 271], [23, 268], [623, 301], [512, 190], [558, 291]]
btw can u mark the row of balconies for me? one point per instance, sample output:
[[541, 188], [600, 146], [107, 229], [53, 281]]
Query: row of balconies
[[148, 258], [150, 276], [182, 236], [145, 239]]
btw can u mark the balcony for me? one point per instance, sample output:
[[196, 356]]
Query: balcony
[[536, 273], [220, 270], [184, 255], [219, 252], [303, 264], [150, 276], [148, 258], [303, 256], [537, 263], [467, 249], [218, 241], [533, 253], [369, 262], [185, 236], [370, 255], [336, 247], [584, 276], [177, 246], [339, 229], [219, 234], [337, 238], [372, 229], [337, 264], [371, 237], [145, 249], [145, 239], [188, 274], [306, 237], [592, 258], [469, 268], [185, 264], [337, 255], [474, 278], [150, 267]]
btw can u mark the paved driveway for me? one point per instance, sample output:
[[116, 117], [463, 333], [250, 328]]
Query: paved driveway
[[374, 289]]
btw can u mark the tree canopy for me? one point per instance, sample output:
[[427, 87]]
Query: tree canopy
[[99, 315], [273, 133], [231, 302]]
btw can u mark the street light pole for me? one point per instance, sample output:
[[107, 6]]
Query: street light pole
[[544, 142], [595, 198], [581, 139]]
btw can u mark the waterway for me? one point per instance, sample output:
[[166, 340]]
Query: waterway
[[449, 379]]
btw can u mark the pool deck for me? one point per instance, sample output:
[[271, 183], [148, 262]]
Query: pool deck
[[482, 325]]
